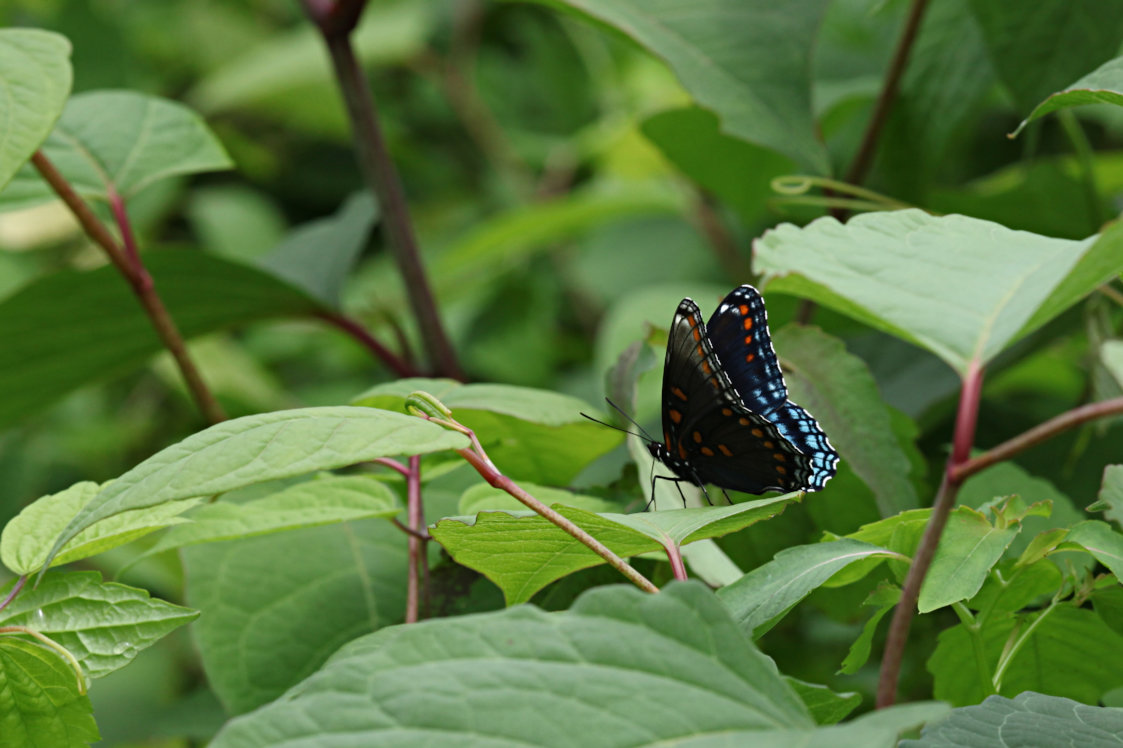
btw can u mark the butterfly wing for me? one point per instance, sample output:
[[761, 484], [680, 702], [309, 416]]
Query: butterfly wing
[[708, 434]]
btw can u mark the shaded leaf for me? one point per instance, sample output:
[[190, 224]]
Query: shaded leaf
[[43, 705], [883, 599], [969, 548], [1110, 498], [1101, 541], [1012, 589], [35, 78], [826, 706]]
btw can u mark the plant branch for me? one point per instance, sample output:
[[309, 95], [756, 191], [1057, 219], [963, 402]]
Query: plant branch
[[336, 23], [417, 544], [1007, 449], [128, 263], [395, 363], [713, 227], [860, 166], [15, 591], [674, 555], [926, 550]]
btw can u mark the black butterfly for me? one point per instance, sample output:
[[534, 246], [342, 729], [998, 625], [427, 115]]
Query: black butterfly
[[727, 420]]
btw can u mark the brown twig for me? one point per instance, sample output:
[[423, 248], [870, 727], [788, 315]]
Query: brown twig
[[926, 550], [128, 263], [394, 362], [417, 544], [336, 21], [1007, 449], [713, 227]]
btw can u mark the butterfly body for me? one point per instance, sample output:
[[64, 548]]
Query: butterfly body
[[727, 419]]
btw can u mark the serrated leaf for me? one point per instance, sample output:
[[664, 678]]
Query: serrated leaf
[[969, 548], [27, 538], [257, 448], [35, 79], [838, 388], [103, 624], [522, 552], [43, 705], [1028, 719], [1101, 541], [738, 58], [533, 435], [761, 597], [325, 501], [119, 141], [50, 344], [995, 285], [1063, 651], [1111, 494], [318, 256], [274, 607]]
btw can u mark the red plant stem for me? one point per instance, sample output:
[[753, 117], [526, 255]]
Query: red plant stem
[[335, 23], [417, 546], [392, 464], [128, 263], [864, 159], [674, 555], [394, 362], [15, 591], [491, 474], [1007, 449], [922, 560]]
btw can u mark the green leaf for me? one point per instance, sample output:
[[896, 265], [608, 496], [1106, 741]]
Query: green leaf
[[969, 548], [522, 552], [1108, 604], [1110, 498], [1104, 85], [761, 597], [27, 538], [43, 705], [274, 607], [35, 79], [262, 447], [530, 434], [1063, 651], [826, 706], [1037, 53], [318, 256], [837, 387], [884, 599], [737, 172], [327, 500], [103, 624], [119, 141], [738, 58], [482, 497], [50, 344], [1102, 542], [1026, 720], [996, 285], [1013, 587]]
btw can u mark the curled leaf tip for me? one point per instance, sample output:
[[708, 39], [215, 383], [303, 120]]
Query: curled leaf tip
[[421, 403]]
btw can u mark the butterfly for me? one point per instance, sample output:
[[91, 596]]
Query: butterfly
[[727, 419]]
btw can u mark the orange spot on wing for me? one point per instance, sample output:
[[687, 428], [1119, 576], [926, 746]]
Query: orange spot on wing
[[706, 368], [779, 457], [667, 439], [748, 322], [678, 393], [725, 450], [743, 309], [743, 421], [697, 437], [781, 470], [756, 432], [748, 339], [681, 451], [707, 451], [768, 445], [749, 358], [676, 416], [726, 412], [697, 333]]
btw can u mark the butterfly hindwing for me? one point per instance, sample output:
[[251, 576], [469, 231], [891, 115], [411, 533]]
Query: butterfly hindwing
[[738, 331]]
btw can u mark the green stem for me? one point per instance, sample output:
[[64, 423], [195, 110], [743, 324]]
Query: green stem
[[1086, 159], [1012, 650], [975, 632]]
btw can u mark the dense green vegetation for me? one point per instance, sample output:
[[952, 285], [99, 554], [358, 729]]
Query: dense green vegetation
[[301, 304]]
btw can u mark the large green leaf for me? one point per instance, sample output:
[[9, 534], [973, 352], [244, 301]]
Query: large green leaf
[[1037, 53], [27, 538], [529, 434], [51, 344], [1099, 539], [1069, 652], [522, 552], [120, 141], [43, 704], [35, 79], [257, 448], [969, 548], [103, 624], [742, 59], [274, 607], [837, 387], [1028, 719], [526, 677], [766, 593], [962, 288], [1104, 85]]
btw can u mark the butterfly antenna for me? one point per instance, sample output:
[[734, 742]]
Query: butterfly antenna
[[616, 428], [620, 410]]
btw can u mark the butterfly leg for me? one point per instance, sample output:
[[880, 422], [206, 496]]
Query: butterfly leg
[[727, 497], [676, 481]]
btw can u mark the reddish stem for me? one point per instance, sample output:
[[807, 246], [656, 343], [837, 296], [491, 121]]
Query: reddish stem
[[15, 591], [394, 362], [674, 555], [926, 550], [417, 546]]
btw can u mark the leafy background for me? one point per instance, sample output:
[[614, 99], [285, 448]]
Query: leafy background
[[568, 186]]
